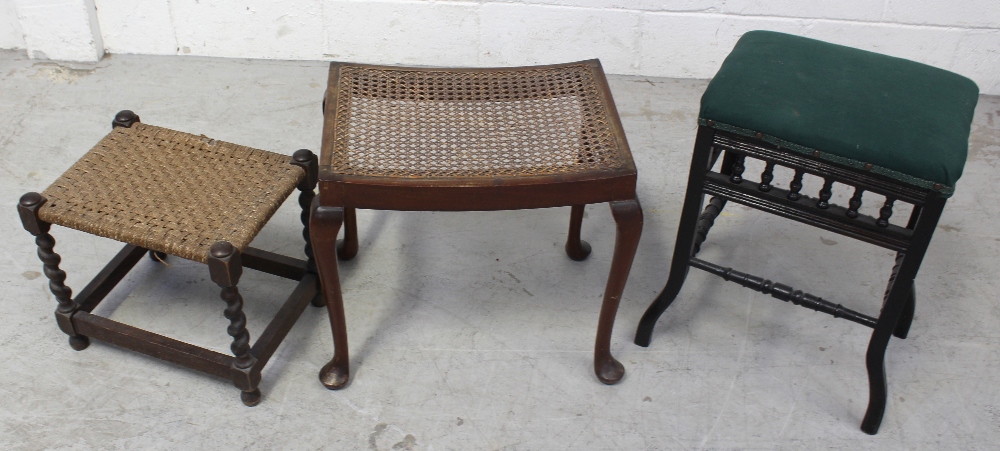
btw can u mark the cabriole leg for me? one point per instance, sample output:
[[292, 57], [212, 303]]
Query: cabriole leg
[[628, 221], [347, 248], [324, 224]]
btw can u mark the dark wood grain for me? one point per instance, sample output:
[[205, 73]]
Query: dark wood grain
[[885, 213], [833, 218], [628, 221], [576, 248], [347, 248], [795, 186], [324, 224], [784, 292], [154, 345], [340, 194], [225, 266], [825, 193], [855, 203], [305, 159], [108, 278], [910, 242], [701, 163], [706, 221], [282, 323], [27, 209], [766, 177], [274, 264], [736, 173]]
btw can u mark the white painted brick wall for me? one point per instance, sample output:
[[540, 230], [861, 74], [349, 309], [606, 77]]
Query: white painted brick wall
[[672, 38], [291, 29], [540, 34], [422, 33], [958, 13], [137, 27], [688, 45], [60, 29], [861, 10], [10, 27]]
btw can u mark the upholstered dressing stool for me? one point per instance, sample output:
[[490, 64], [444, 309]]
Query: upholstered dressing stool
[[166, 192], [397, 138], [875, 123]]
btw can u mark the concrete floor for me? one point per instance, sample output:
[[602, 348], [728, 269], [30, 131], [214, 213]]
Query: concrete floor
[[473, 330]]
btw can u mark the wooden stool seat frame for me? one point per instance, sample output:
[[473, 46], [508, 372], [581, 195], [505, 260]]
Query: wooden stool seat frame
[[225, 264], [910, 242], [341, 194]]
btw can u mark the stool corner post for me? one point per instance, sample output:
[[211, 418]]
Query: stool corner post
[[225, 267], [124, 118], [225, 264], [27, 209], [306, 159]]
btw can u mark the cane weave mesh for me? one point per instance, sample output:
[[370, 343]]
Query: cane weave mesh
[[438, 123], [170, 191]]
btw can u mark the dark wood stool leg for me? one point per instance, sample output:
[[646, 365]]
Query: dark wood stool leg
[[307, 160], [324, 225], [701, 161], [628, 221], [892, 312], [576, 248], [27, 209], [225, 266], [347, 248], [906, 317], [903, 326]]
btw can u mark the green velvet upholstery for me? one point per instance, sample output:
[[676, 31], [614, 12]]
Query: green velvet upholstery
[[889, 115]]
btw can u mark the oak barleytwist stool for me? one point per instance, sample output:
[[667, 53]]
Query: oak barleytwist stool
[[397, 138], [878, 124], [166, 192]]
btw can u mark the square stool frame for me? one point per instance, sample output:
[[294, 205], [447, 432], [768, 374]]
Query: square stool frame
[[910, 243], [225, 265]]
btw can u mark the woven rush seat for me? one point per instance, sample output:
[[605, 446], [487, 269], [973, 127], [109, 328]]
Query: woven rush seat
[[165, 192], [171, 191], [472, 139]]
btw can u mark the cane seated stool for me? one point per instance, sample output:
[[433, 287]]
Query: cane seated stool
[[166, 192], [397, 138], [875, 123]]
